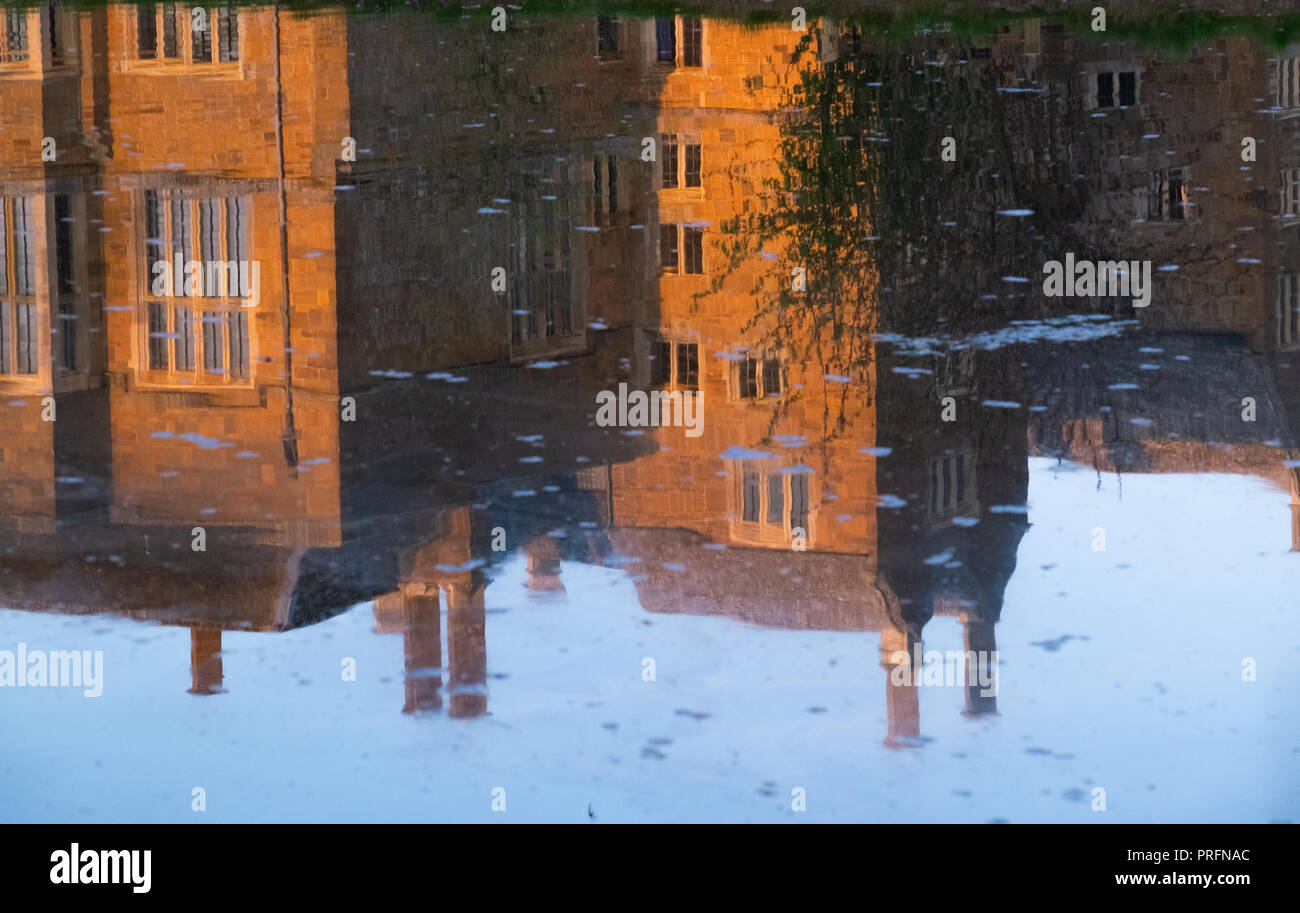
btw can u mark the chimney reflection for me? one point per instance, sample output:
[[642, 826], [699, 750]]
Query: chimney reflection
[[205, 661], [417, 616], [467, 646], [544, 566], [422, 647]]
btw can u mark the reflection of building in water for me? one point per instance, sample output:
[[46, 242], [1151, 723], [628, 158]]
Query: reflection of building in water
[[51, 277], [221, 403], [775, 514], [139, 378], [1219, 223], [1219, 217], [1121, 153], [328, 436]]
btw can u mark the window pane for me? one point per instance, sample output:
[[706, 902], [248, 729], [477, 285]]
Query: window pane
[[228, 28], [666, 39], [607, 37], [1177, 196], [557, 287], [27, 351], [63, 241], [209, 235], [6, 332], [171, 48], [24, 249], [799, 501], [668, 248], [688, 364], [1155, 196], [692, 42], [661, 354], [237, 228], [694, 243], [693, 165], [154, 219], [201, 43], [668, 153], [776, 498], [183, 344], [771, 377], [56, 46], [1292, 304], [4, 248], [749, 378], [749, 496], [1127, 88], [18, 35], [214, 348], [157, 336], [146, 31], [1105, 90], [68, 333], [181, 241], [239, 344]]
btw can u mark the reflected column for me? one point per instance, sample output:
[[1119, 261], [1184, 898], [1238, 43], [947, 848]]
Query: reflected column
[[898, 648], [415, 613], [205, 661], [422, 645], [467, 645], [978, 638], [544, 565]]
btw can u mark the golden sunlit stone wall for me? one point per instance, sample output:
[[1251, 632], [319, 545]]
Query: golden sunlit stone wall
[[26, 464], [40, 96], [727, 105], [189, 448]]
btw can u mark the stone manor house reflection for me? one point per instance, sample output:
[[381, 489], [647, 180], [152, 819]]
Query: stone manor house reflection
[[359, 432]]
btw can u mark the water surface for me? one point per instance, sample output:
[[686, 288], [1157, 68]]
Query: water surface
[[356, 541]]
